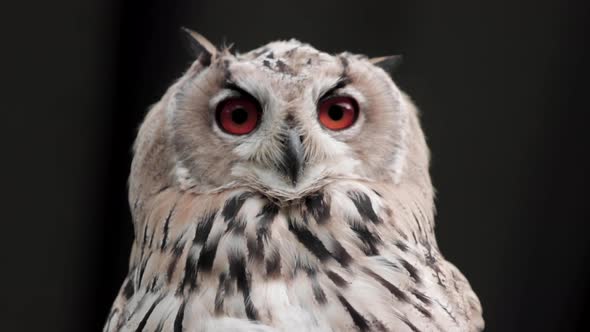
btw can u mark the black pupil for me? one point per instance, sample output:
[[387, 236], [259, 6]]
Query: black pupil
[[239, 115], [335, 112]]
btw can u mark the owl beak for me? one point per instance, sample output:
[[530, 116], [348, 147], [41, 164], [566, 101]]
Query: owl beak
[[293, 156]]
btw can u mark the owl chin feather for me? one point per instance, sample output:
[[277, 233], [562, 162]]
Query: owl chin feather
[[271, 184]]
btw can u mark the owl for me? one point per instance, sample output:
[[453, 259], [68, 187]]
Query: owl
[[286, 189]]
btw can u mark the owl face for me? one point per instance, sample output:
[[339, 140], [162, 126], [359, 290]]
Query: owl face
[[285, 119]]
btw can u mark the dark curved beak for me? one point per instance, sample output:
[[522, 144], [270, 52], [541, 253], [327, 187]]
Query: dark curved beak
[[293, 156]]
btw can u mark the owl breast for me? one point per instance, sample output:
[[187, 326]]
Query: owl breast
[[341, 259]]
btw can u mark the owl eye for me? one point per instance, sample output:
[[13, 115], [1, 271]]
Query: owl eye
[[238, 116], [338, 113]]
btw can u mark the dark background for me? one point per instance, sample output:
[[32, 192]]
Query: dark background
[[502, 86]]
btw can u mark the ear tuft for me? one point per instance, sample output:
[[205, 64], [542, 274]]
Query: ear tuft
[[387, 63], [199, 46]]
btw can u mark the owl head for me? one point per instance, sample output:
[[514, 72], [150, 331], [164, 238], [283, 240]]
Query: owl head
[[284, 119]]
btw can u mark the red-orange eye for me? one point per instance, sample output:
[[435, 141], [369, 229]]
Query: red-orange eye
[[238, 116], [337, 113]]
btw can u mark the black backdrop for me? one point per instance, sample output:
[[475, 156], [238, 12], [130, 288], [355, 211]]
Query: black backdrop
[[502, 86]]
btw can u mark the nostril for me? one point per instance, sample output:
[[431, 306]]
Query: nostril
[[301, 138]]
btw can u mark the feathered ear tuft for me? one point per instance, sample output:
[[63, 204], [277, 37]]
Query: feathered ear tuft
[[388, 63], [201, 48]]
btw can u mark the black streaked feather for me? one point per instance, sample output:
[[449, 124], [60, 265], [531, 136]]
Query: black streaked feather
[[145, 318], [318, 207], [237, 270], [233, 206], [160, 326], [267, 214], [310, 241], [370, 240], [144, 242], [207, 255], [154, 285], [201, 234], [409, 324], [222, 290], [389, 264], [411, 270], [398, 293], [337, 279], [204, 228], [318, 292], [176, 250], [402, 246], [340, 254], [423, 310], [179, 318], [152, 237], [421, 296], [128, 289], [142, 269], [166, 227], [273, 264], [236, 226], [364, 206], [255, 253], [190, 273], [360, 321]]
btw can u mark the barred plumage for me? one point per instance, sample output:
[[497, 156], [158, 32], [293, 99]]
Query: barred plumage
[[227, 240]]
